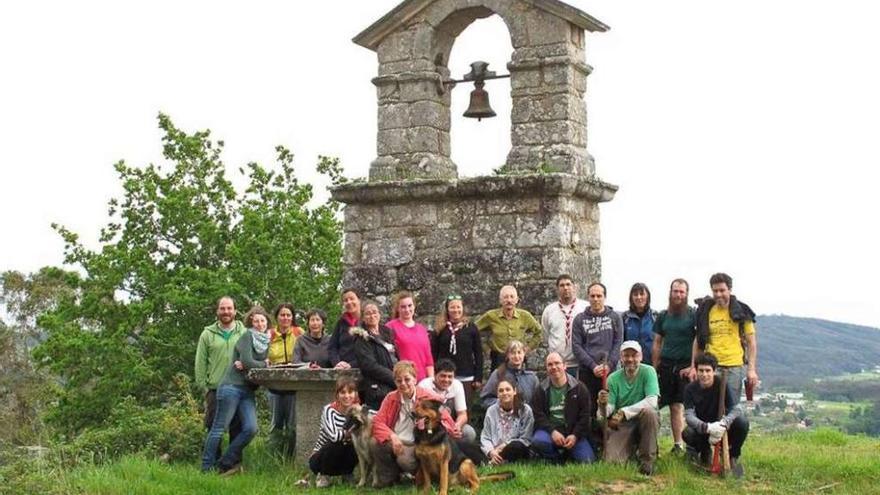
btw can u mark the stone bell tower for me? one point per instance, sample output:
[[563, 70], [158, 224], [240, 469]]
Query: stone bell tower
[[414, 225]]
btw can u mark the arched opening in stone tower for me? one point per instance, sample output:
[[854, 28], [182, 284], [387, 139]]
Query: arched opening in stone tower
[[479, 147]]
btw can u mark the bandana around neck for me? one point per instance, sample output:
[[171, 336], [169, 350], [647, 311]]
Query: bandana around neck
[[453, 329]]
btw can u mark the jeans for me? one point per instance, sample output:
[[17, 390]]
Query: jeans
[[231, 399], [735, 376], [543, 444]]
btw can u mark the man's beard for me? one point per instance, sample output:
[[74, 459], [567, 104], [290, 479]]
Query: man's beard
[[677, 308]]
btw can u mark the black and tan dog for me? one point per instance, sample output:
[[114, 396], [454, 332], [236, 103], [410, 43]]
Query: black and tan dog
[[360, 427], [439, 456]]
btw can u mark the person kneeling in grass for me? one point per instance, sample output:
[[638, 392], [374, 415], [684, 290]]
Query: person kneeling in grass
[[507, 427], [704, 429], [334, 454]]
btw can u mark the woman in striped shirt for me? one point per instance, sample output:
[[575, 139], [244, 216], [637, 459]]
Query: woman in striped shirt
[[334, 455]]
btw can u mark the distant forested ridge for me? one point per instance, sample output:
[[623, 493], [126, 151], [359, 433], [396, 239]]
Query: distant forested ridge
[[793, 351]]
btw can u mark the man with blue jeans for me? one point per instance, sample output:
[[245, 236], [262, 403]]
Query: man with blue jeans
[[561, 405]]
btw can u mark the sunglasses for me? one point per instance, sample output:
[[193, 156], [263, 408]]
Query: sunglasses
[[453, 297]]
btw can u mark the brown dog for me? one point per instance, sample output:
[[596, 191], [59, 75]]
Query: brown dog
[[440, 457], [360, 426]]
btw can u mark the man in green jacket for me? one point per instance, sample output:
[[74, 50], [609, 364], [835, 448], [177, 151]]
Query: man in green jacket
[[214, 357]]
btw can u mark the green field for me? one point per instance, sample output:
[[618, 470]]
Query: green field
[[822, 461]]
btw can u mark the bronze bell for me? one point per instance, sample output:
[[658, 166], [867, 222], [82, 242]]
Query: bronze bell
[[479, 107]]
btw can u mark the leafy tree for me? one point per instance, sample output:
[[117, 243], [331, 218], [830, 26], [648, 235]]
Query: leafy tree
[[24, 390], [176, 241]]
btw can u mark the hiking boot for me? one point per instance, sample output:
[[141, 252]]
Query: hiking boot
[[231, 470], [676, 450], [646, 468], [322, 481], [736, 469]]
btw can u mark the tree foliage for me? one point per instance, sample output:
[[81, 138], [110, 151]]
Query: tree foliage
[[179, 237]]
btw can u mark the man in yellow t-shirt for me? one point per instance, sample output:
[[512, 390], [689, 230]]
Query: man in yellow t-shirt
[[726, 329]]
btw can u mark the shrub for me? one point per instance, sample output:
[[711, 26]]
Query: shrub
[[172, 432]]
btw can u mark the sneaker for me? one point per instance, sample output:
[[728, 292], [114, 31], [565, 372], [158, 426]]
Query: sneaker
[[322, 481], [646, 468], [736, 469], [676, 450], [304, 483], [231, 470]]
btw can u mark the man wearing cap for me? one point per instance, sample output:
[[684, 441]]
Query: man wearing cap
[[557, 321], [630, 406], [508, 323]]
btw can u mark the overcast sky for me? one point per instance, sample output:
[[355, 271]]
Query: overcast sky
[[743, 135]]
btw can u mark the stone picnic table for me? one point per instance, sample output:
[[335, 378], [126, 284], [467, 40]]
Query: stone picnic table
[[314, 390]]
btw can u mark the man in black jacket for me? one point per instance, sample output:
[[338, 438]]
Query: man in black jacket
[[726, 329], [561, 405]]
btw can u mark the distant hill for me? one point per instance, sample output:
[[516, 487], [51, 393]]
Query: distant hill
[[793, 350]]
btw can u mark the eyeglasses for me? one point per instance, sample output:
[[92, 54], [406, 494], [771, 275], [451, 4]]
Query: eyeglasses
[[453, 297]]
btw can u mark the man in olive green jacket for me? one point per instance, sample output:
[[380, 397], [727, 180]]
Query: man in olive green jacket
[[214, 357]]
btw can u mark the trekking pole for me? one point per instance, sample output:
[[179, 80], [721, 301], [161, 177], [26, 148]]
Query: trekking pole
[[720, 455], [603, 361]]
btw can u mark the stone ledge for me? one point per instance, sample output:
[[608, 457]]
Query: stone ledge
[[507, 186], [299, 379]]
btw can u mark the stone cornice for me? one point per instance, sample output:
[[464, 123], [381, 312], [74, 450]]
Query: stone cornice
[[372, 36], [526, 185]]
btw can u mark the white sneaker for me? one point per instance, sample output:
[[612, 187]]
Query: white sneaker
[[322, 481]]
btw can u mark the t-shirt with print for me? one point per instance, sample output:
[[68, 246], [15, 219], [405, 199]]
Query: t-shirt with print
[[724, 342], [557, 405]]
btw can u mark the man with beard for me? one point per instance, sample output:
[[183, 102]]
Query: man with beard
[[508, 323], [558, 321], [596, 336], [214, 357], [674, 331], [630, 404], [726, 329]]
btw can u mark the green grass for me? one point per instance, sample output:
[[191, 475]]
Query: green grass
[[823, 461]]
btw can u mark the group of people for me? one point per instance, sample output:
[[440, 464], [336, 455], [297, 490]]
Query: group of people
[[606, 376]]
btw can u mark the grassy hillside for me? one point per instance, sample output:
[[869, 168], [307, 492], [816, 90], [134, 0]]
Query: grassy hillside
[[793, 350], [822, 461]]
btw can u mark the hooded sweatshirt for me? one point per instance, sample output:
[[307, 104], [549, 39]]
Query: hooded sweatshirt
[[594, 334], [214, 354]]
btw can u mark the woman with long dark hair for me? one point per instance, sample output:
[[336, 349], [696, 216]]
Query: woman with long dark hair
[[507, 427]]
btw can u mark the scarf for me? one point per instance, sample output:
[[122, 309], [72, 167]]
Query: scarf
[[507, 419], [453, 329], [568, 319], [261, 340]]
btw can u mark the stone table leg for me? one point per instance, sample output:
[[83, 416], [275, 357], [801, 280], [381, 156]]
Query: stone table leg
[[309, 404]]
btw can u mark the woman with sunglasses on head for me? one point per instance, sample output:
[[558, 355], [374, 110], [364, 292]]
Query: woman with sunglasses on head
[[456, 338]]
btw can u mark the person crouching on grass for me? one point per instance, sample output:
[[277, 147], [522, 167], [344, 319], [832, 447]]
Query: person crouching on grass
[[236, 394], [334, 454], [704, 429]]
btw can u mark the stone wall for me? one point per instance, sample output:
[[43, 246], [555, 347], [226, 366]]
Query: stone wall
[[470, 237]]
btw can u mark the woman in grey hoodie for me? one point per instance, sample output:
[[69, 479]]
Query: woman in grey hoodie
[[313, 346], [507, 427]]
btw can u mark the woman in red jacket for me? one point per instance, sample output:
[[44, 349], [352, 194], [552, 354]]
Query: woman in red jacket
[[393, 426]]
